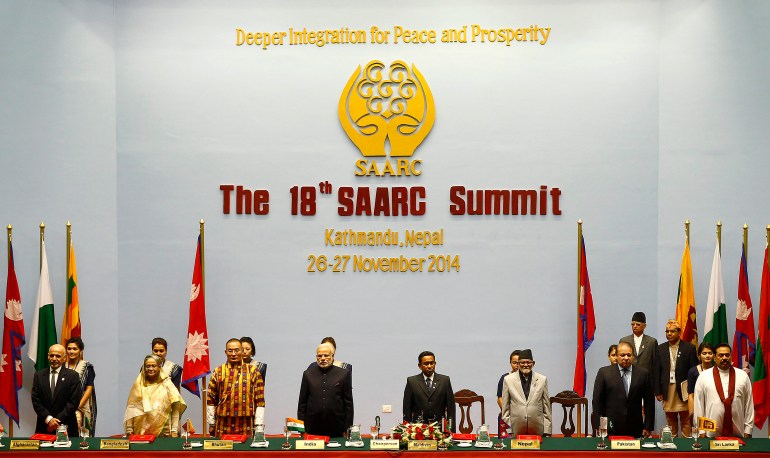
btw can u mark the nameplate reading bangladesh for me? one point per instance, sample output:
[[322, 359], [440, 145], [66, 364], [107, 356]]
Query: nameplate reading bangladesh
[[114, 444], [217, 445], [315, 444], [522, 444], [383, 444], [725, 444], [24, 444], [625, 444], [422, 445]]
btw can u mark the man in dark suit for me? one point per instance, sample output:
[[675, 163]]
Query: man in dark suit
[[56, 395], [326, 396], [675, 359], [619, 391], [644, 346], [429, 395]]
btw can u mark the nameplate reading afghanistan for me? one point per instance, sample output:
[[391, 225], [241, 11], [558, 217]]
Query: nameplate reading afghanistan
[[24, 444]]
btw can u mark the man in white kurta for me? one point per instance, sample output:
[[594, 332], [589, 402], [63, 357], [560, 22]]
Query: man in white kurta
[[708, 402]]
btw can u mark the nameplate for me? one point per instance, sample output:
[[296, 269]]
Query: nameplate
[[217, 445], [625, 444], [114, 444], [732, 444], [422, 445], [383, 444], [522, 444], [24, 444], [314, 444]]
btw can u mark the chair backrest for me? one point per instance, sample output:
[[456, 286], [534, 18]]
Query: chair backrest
[[464, 398], [568, 399]]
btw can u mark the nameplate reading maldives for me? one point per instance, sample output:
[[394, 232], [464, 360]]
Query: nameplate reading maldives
[[525, 444], [315, 444], [725, 444], [625, 444], [422, 445], [383, 444], [217, 445], [114, 444], [24, 444]]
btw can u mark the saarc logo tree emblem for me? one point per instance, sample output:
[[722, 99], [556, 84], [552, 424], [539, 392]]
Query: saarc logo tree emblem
[[387, 111]]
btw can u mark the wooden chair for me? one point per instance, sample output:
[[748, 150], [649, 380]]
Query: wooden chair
[[570, 399], [464, 398]]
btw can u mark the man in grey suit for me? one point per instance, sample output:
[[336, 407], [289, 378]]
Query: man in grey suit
[[645, 348], [526, 403], [429, 395]]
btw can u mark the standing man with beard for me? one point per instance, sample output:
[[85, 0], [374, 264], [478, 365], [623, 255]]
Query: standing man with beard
[[326, 396]]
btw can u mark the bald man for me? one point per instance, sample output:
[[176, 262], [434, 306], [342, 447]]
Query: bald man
[[56, 395], [326, 396]]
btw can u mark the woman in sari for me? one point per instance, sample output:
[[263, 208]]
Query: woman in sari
[[154, 404], [86, 413]]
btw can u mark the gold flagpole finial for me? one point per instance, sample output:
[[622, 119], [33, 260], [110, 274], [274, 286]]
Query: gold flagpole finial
[[719, 236]]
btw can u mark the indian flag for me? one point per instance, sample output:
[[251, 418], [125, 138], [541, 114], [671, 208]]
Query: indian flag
[[294, 424], [716, 313], [43, 324]]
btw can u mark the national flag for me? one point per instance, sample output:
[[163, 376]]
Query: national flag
[[295, 424], [43, 322], [761, 381], [586, 324], [71, 326], [744, 342], [13, 339], [685, 302], [196, 356], [707, 424], [716, 310], [188, 427], [88, 427]]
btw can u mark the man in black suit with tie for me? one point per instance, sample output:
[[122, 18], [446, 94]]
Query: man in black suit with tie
[[675, 358], [56, 395], [619, 391], [429, 395]]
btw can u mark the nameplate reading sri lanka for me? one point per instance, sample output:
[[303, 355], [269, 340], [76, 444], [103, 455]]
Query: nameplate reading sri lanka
[[521, 444], [315, 444], [217, 445], [383, 444], [422, 445], [24, 444], [725, 445], [114, 444], [625, 444]]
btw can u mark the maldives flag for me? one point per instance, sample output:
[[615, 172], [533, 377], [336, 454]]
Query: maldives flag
[[196, 356], [744, 342], [761, 385], [586, 324], [13, 340]]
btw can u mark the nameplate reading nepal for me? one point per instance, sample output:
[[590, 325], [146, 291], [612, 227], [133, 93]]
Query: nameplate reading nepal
[[395, 201]]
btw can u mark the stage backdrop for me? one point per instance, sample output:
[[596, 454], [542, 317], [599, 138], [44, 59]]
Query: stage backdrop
[[136, 119]]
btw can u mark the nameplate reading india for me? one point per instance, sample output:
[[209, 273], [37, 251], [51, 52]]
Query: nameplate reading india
[[217, 445], [422, 445], [521, 444], [727, 444], [383, 444], [114, 444], [315, 444], [625, 444], [24, 444]]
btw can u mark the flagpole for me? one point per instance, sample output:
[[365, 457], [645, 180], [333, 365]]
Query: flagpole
[[687, 230], [204, 390], [8, 250], [746, 241], [719, 236], [42, 240], [66, 324], [577, 322]]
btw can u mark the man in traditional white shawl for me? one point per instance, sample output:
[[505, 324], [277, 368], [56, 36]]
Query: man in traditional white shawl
[[154, 404], [724, 395]]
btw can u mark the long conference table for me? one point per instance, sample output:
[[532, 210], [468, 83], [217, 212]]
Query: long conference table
[[551, 447]]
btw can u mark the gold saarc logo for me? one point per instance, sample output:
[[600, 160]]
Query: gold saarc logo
[[387, 115]]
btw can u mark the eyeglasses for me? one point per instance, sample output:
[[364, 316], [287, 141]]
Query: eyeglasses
[[233, 350], [525, 363]]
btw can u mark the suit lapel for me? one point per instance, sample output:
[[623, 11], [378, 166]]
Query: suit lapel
[[517, 386], [423, 386]]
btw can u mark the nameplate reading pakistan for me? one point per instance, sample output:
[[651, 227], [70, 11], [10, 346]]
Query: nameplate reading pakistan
[[217, 445], [24, 444], [316, 444], [725, 444], [114, 444], [383, 444], [422, 445], [522, 444], [625, 444]]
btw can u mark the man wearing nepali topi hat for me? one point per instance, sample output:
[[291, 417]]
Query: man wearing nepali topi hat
[[645, 347], [526, 403]]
